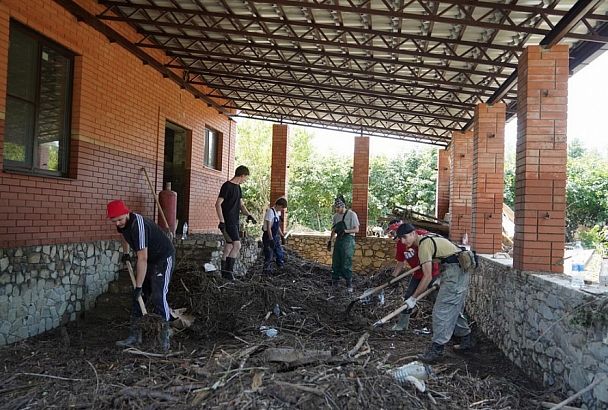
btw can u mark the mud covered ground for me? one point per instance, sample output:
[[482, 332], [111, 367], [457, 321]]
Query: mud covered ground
[[225, 360]]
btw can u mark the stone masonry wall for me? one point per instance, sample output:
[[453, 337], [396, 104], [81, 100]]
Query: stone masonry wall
[[199, 249], [371, 253], [42, 287], [541, 325]]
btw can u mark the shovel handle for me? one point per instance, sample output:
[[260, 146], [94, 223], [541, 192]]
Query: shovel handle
[[142, 305], [390, 282], [402, 308]]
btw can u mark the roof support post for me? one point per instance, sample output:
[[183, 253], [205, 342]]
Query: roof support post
[[442, 190], [488, 177], [278, 170], [361, 181], [540, 179], [461, 179]]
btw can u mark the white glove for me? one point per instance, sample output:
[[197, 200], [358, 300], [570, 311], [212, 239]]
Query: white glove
[[409, 254], [411, 302]]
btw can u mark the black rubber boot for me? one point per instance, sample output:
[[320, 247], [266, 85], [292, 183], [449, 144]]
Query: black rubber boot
[[466, 343], [223, 268], [134, 338], [432, 355], [227, 273], [349, 285], [165, 337]]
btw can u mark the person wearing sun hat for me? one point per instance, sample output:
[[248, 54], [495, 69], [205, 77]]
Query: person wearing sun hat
[[345, 226], [155, 259]]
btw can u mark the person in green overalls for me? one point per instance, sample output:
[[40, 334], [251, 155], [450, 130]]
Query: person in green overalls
[[345, 226]]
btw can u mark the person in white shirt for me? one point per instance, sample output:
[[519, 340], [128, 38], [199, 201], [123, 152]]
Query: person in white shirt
[[272, 236]]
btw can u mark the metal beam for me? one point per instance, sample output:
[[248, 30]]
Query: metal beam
[[569, 21]]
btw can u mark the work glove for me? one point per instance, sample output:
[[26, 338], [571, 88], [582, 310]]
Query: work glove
[[283, 240], [251, 219], [271, 244], [329, 246], [221, 226], [126, 258], [411, 302], [409, 254], [136, 294]]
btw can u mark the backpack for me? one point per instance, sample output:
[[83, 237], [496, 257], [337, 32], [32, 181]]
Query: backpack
[[467, 259]]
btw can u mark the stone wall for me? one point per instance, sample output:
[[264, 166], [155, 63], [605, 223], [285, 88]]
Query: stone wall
[[199, 249], [556, 334], [42, 287], [371, 253]]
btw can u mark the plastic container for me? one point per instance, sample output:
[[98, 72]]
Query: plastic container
[[415, 369], [603, 278], [381, 298], [578, 266], [271, 332]]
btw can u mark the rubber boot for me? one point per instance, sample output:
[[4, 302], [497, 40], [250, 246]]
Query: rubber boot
[[432, 355], [223, 268], [227, 273], [403, 324], [349, 285], [165, 337], [466, 343], [134, 338]]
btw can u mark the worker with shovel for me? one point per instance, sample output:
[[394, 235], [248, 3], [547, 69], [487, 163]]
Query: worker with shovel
[[345, 226], [155, 259], [272, 236], [228, 206], [449, 305], [409, 256]]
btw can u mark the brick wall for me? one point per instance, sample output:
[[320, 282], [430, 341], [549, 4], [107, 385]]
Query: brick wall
[[118, 117], [461, 179], [541, 155], [361, 182], [488, 177], [442, 195]]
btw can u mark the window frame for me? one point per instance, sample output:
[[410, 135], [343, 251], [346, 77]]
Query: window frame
[[218, 149], [30, 166]]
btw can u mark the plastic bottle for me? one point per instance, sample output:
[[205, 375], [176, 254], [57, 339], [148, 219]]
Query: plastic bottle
[[603, 279], [415, 369], [185, 231], [578, 266]]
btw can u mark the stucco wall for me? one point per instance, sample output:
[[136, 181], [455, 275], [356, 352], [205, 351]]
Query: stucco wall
[[556, 334], [371, 253]]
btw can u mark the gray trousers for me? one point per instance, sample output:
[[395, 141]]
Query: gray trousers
[[447, 312]]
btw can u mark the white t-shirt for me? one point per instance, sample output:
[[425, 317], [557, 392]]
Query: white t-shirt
[[271, 213]]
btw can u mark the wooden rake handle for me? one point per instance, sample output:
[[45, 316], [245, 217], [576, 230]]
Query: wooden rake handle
[[142, 305], [390, 282], [402, 308]]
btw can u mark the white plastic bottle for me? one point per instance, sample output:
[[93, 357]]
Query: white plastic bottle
[[578, 266], [185, 231]]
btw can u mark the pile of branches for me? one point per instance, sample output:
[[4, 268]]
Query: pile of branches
[[230, 357]]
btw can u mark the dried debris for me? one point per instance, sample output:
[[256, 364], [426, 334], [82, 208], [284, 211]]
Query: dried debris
[[319, 358]]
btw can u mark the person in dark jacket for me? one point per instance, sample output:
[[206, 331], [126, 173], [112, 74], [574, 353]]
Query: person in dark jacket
[[272, 236], [155, 260]]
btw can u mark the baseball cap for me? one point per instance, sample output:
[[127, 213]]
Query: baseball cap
[[404, 229]]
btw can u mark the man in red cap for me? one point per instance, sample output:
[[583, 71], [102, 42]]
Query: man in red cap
[[407, 256], [155, 256]]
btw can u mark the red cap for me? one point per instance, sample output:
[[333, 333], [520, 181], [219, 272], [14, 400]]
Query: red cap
[[117, 208], [393, 227]]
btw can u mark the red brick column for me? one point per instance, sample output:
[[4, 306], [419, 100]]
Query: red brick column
[[278, 170], [488, 177], [540, 181], [461, 179], [361, 182], [442, 192]]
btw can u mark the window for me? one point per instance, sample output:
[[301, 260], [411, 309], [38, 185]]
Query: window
[[38, 103], [212, 149]]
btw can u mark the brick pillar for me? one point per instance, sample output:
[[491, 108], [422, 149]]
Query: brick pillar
[[278, 169], [442, 192], [361, 182], [540, 180], [488, 177], [461, 179]]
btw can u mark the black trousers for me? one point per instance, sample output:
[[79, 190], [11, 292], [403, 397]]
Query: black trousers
[[156, 287]]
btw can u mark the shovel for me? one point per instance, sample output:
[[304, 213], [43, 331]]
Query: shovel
[[404, 307], [142, 305], [377, 289]]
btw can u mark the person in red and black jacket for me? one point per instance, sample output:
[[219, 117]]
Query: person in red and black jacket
[[408, 256], [155, 260]]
